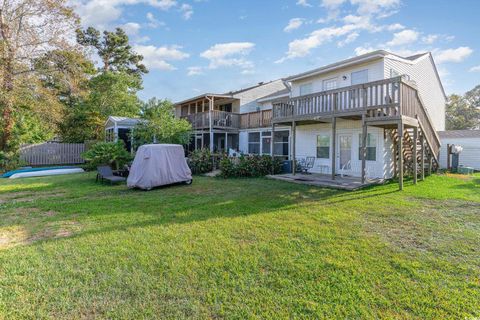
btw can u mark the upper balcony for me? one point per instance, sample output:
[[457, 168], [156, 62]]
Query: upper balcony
[[382, 103], [230, 121]]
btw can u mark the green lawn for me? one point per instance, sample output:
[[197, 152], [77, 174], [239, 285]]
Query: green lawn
[[236, 249]]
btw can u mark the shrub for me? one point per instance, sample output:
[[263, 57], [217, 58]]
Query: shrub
[[10, 161], [249, 166], [113, 154], [200, 161]]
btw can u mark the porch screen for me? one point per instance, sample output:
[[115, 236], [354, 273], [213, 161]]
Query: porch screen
[[371, 147], [280, 143]]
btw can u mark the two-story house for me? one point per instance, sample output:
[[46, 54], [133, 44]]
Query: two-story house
[[371, 116]]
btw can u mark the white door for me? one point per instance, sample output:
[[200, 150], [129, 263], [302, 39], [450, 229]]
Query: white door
[[344, 153]]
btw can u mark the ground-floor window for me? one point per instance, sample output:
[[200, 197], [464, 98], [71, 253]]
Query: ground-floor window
[[261, 143], [371, 147], [323, 146], [254, 142], [109, 135]]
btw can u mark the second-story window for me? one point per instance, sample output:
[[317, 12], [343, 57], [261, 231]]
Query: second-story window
[[330, 84], [306, 88], [359, 77]]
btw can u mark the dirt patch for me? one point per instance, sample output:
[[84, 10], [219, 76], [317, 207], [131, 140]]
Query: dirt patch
[[462, 177], [26, 196], [433, 226]]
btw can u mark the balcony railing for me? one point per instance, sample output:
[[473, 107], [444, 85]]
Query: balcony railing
[[229, 120], [388, 99]]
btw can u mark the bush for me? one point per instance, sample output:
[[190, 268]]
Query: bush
[[10, 161], [200, 161], [249, 166], [113, 154]]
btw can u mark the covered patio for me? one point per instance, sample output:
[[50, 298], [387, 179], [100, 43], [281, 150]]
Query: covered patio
[[325, 180]]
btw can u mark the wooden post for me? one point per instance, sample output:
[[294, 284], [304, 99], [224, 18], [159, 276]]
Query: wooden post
[[334, 141], [430, 163], [294, 158], [226, 143], [400, 155], [414, 155], [271, 146], [210, 121], [364, 147], [422, 157], [448, 157]]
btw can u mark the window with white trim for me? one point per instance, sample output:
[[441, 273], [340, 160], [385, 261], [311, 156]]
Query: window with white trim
[[281, 143], [323, 146], [330, 84], [254, 142], [266, 142], [306, 88], [359, 77], [371, 147]]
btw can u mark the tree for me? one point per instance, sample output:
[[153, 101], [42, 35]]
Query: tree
[[28, 29], [110, 93], [161, 125], [114, 50], [462, 113]]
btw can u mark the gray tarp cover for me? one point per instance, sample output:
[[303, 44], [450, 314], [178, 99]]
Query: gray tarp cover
[[157, 165]]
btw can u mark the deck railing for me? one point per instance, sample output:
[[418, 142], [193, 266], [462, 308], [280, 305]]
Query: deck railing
[[229, 120], [220, 119], [387, 99], [257, 119]]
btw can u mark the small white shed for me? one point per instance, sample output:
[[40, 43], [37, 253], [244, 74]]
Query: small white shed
[[469, 140], [120, 128]]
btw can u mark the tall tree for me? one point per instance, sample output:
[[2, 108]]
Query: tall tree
[[114, 50], [28, 29], [161, 125], [462, 113]]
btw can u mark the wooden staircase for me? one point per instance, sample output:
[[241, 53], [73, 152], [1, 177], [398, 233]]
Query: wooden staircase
[[430, 163]]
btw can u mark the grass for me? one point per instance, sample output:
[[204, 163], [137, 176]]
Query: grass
[[236, 249]]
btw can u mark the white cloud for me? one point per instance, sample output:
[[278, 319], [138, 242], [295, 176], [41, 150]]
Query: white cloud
[[195, 71], [429, 39], [303, 3], [332, 4], [102, 13], [187, 11], [404, 37], [382, 8], [475, 69], [153, 22], [452, 55], [395, 27], [349, 39], [131, 28], [293, 24], [229, 54], [160, 57]]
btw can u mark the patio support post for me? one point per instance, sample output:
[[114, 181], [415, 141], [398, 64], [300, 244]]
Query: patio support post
[[294, 155], [430, 164], [226, 142], [364, 148], [210, 122], [334, 148], [422, 157], [271, 146], [414, 155], [400, 155]]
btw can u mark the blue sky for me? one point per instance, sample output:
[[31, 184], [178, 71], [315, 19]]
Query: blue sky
[[197, 46]]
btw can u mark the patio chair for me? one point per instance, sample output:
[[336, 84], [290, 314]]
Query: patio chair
[[306, 164], [106, 173]]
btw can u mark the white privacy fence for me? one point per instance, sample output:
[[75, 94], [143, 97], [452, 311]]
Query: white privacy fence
[[52, 153]]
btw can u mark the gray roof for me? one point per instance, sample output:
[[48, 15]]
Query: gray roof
[[459, 134]]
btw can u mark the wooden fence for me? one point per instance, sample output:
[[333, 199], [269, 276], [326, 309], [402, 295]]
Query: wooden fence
[[52, 153]]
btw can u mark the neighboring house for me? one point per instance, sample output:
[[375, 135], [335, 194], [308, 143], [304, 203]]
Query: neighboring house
[[398, 102], [239, 120], [469, 140], [120, 128]]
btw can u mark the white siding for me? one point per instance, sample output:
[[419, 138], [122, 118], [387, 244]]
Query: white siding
[[306, 144], [429, 88], [375, 72], [470, 156], [248, 98]]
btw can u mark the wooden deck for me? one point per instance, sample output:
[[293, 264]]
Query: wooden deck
[[323, 180]]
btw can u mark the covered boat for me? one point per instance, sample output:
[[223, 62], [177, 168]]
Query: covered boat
[[158, 165]]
